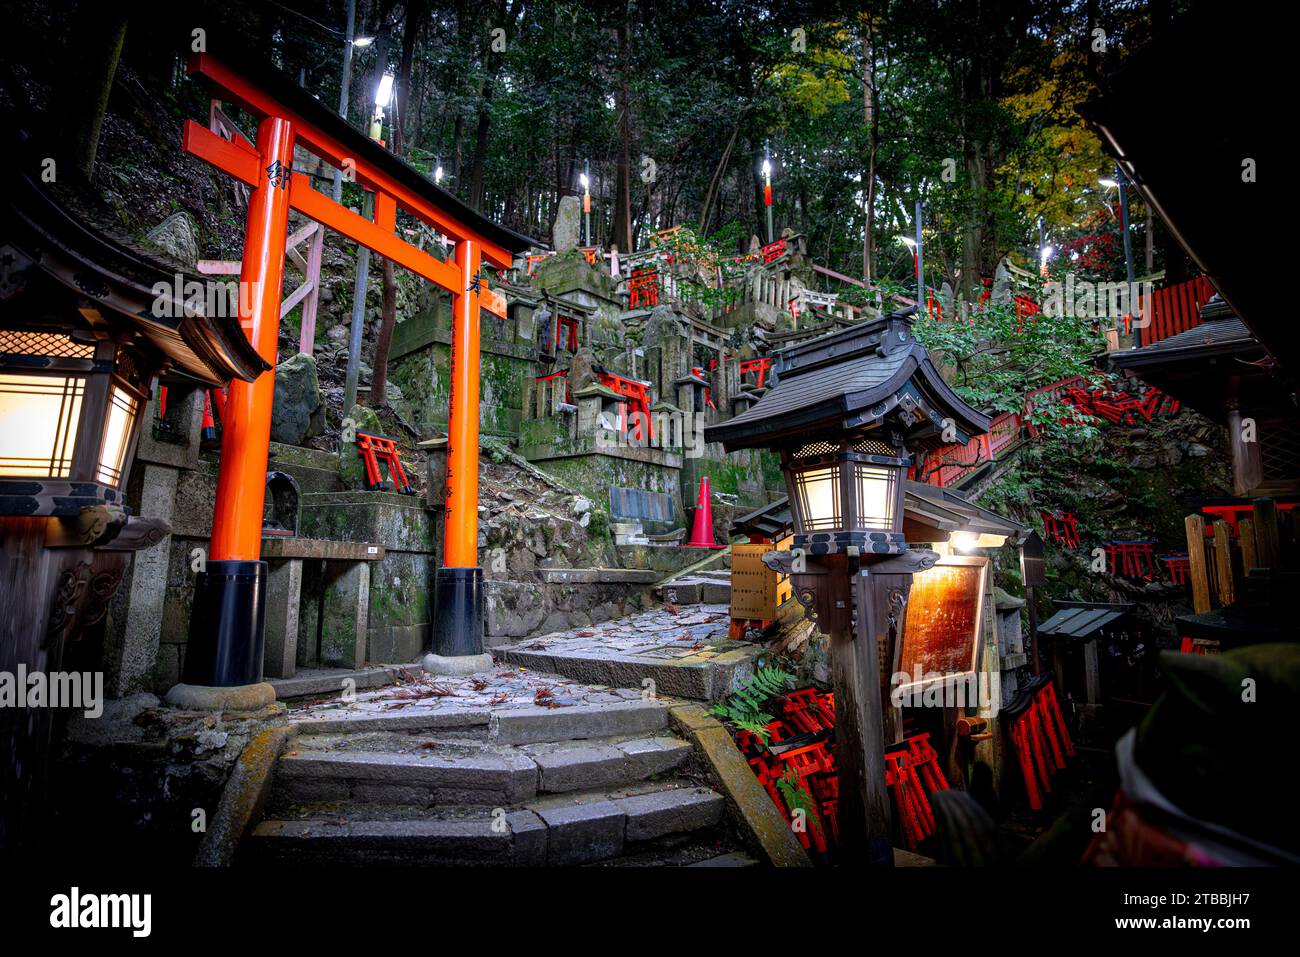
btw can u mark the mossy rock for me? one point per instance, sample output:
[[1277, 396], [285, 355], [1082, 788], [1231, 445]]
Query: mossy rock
[[352, 470]]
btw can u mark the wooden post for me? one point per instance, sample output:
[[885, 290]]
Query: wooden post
[[1267, 546], [1246, 538], [1197, 570], [1224, 585], [307, 340], [859, 723], [1030, 597]]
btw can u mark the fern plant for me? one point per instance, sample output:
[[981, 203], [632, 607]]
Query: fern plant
[[797, 798], [744, 706]]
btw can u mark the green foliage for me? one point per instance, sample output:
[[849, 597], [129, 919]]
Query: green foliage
[[996, 357], [797, 798], [744, 706]]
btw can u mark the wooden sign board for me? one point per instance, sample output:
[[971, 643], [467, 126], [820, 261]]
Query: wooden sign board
[[942, 625], [757, 591]]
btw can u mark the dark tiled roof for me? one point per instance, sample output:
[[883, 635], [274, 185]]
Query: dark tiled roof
[[849, 379], [1218, 334], [826, 385]]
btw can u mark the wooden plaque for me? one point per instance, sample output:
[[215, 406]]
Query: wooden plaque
[[942, 624]]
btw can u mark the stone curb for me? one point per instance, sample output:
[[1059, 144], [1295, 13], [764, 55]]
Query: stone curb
[[245, 794], [759, 818]]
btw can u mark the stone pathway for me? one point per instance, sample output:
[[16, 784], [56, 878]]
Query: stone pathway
[[684, 651], [411, 700]]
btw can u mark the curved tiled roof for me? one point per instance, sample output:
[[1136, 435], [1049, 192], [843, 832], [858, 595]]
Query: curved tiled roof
[[845, 380]]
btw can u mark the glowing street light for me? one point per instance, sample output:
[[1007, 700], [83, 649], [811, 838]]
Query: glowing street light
[[385, 91], [383, 95], [585, 180], [363, 42], [767, 196]]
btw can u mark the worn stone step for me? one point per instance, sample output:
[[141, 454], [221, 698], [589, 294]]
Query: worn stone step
[[390, 768], [538, 725], [510, 839], [330, 681], [732, 859], [445, 775], [581, 765], [554, 833], [705, 676]]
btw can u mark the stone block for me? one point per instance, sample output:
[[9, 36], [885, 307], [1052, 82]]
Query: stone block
[[650, 756], [283, 599], [670, 812], [535, 725], [345, 614], [581, 833], [529, 835], [571, 769]]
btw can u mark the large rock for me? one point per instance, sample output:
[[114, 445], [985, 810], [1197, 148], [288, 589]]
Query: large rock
[[298, 410], [177, 236], [352, 471], [1001, 293], [568, 224]]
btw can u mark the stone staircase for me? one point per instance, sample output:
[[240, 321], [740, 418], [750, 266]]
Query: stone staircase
[[590, 784]]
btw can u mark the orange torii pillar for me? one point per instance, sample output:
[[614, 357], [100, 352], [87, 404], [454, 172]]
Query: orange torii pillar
[[226, 625], [458, 594]]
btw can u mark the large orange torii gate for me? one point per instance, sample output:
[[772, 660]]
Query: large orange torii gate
[[226, 628]]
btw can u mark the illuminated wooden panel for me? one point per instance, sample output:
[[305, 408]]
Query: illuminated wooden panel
[[942, 623]]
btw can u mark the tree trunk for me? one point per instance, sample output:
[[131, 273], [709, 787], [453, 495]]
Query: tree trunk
[[475, 197], [92, 56], [622, 230], [410, 31], [871, 118]]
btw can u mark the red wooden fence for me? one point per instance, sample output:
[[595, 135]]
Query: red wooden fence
[[1174, 309]]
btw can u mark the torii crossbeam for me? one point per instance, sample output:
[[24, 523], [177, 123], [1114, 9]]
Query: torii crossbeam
[[226, 628]]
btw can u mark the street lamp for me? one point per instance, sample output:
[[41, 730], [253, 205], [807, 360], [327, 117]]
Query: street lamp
[[383, 95], [1118, 184], [846, 412], [585, 180], [352, 373], [363, 42], [767, 197]]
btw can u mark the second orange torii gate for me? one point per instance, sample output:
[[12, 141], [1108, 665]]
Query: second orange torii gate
[[226, 630]]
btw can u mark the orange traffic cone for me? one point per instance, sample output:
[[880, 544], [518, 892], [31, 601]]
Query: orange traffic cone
[[702, 527]]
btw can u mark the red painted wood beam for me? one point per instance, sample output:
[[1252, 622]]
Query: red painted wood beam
[[260, 103], [244, 165]]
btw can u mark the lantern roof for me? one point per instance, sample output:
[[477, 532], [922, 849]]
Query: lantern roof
[[46, 229], [852, 380]]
